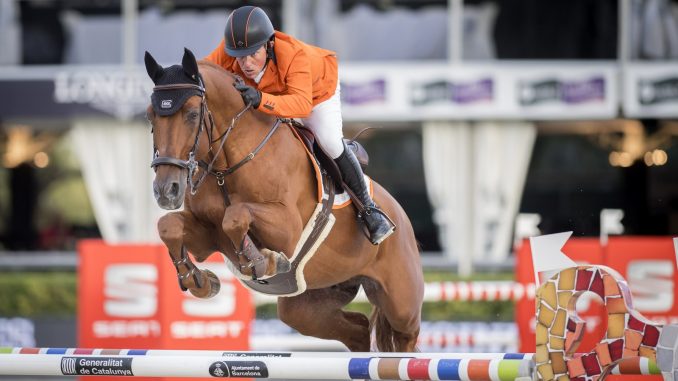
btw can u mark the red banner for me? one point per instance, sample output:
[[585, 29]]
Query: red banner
[[129, 297]]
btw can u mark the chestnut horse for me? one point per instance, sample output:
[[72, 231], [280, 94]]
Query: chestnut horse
[[198, 116]]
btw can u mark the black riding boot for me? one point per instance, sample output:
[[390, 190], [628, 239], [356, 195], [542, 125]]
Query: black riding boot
[[377, 224]]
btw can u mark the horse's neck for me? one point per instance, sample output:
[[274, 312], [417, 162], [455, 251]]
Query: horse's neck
[[248, 132], [280, 173]]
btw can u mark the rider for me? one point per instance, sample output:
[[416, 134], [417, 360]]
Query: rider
[[288, 78]]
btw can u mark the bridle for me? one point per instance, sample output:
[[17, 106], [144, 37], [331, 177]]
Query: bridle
[[192, 164]]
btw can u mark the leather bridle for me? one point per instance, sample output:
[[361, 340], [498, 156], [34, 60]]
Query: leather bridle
[[192, 164]]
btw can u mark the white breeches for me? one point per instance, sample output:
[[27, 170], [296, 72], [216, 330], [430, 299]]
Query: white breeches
[[325, 122]]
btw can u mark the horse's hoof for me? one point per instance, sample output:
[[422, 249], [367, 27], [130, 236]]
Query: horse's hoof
[[211, 286], [278, 263], [282, 264]]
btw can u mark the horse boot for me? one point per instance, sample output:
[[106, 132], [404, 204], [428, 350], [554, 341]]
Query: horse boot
[[378, 225]]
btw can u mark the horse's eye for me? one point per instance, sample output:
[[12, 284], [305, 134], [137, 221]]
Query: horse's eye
[[192, 116]]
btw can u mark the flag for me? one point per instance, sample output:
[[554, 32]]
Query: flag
[[547, 254]]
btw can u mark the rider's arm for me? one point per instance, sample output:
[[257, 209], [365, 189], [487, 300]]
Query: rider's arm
[[297, 100]]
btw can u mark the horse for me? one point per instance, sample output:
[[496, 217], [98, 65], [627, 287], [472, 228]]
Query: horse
[[204, 135]]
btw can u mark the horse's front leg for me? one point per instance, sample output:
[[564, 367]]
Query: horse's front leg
[[177, 230], [253, 262]]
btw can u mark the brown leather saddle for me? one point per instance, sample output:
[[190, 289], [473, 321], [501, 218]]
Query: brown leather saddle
[[324, 160]]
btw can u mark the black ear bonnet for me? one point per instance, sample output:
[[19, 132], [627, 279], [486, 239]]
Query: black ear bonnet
[[168, 102]]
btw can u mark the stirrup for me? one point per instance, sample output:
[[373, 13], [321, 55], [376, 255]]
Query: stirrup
[[380, 240], [366, 213]]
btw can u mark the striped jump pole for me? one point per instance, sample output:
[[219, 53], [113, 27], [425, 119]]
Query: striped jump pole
[[275, 365], [297, 367], [217, 353]]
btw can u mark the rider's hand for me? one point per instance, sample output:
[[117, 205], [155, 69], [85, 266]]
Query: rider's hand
[[249, 94]]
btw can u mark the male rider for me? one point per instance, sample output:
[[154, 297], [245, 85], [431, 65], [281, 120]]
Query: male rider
[[288, 78]]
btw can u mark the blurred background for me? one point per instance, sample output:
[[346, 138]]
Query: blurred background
[[492, 120]]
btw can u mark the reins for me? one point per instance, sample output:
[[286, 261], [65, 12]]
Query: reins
[[192, 164]]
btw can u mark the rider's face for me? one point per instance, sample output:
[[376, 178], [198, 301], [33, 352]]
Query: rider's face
[[253, 64]]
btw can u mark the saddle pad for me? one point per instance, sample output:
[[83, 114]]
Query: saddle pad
[[316, 230], [293, 283], [341, 200]]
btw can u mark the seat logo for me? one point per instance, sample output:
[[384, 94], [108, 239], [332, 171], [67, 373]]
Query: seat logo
[[130, 290]]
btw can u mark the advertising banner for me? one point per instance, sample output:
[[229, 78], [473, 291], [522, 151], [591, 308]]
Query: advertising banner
[[552, 93], [411, 91], [397, 91], [129, 298], [649, 266], [651, 90]]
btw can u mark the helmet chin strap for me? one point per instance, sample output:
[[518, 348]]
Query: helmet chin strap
[[270, 53]]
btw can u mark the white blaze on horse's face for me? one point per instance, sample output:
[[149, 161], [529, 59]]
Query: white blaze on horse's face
[[173, 137]]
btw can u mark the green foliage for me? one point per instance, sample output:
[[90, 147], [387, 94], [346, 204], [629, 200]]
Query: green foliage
[[64, 197], [443, 276], [66, 200], [38, 294], [468, 311], [54, 294], [456, 311], [4, 198]]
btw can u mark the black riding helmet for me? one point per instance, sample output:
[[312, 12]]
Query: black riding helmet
[[247, 29]]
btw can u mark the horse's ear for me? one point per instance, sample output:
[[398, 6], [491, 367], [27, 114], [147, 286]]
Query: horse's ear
[[153, 69], [189, 64]]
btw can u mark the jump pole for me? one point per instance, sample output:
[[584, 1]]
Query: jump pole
[[298, 367], [216, 353], [275, 365]]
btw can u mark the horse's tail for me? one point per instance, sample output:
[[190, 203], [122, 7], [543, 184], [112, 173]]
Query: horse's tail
[[383, 331]]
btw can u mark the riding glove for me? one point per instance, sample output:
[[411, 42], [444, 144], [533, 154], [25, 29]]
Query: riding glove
[[249, 94]]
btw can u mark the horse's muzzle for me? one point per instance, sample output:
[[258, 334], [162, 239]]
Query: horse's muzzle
[[169, 195]]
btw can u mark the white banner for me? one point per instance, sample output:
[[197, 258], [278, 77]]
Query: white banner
[[586, 91], [651, 90], [410, 91], [400, 91]]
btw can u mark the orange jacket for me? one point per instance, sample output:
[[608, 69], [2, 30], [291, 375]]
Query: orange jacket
[[303, 76]]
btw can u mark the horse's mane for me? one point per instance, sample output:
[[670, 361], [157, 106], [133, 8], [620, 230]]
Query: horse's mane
[[226, 75], [219, 69]]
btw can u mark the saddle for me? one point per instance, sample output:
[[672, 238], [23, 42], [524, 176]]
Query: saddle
[[323, 158]]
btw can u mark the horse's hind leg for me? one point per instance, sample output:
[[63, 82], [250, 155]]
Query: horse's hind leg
[[397, 297], [396, 324], [177, 230], [319, 313]]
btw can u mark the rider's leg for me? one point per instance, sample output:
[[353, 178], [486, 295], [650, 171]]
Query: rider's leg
[[325, 121], [377, 224]]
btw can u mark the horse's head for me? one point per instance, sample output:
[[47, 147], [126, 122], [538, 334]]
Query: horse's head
[[176, 113]]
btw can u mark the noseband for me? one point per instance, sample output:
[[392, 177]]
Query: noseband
[[192, 164]]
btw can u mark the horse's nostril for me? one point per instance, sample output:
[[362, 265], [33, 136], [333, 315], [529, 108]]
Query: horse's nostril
[[174, 190]]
